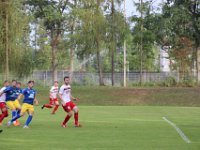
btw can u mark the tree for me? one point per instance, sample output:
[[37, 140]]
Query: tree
[[143, 39], [116, 31], [91, 36], [14, 38], [54, 19], [181, 18]]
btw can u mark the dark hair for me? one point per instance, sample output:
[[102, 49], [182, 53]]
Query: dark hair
[[66, 77], [5, 81], [31, 81], [14, 80], [55, 81], [19, 83]]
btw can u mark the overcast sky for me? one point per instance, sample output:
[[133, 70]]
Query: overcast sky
[[130, 8]]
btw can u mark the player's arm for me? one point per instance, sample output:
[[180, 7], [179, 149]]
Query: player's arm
[[74, 98], [36, 101], [61, 100], [20, 96], [51, 92], [5, 90]]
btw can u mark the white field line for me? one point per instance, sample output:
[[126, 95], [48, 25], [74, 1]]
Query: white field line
[[183, 136]]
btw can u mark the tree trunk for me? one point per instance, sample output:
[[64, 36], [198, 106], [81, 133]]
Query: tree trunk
[[5, 39], [113, 47], [54, 44], [71, 68], [113, 66], [98, 51], [99, 65], [6, 44], [198, 64], [141, 44]]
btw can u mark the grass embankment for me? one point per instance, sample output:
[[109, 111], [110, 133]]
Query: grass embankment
[[131, 96]]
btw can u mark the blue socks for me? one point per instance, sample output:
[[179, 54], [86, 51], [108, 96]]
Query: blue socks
[[18, 112], [15, 118], [28, 120], [13, 114]]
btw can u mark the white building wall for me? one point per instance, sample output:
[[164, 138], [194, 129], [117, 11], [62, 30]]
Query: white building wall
[[164, 61]]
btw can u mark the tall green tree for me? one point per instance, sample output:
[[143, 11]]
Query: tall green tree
[[181, 18], [143, 39], [14, 39], [53, 14], [116, 29], [91, 36]]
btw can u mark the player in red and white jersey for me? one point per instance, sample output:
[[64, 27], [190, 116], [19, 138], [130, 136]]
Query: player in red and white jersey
[[53, 98], [3, 108], [67, 104]]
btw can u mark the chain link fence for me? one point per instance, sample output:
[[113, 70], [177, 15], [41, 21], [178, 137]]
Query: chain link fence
[[44, 78], [85, 78]]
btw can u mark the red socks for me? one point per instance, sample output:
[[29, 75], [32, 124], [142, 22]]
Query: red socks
[[55, 108], [76, 118], [47, 105], [66, 119], [2, 116]]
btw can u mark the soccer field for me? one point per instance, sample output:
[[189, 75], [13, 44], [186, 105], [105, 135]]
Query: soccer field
[[107, 128]]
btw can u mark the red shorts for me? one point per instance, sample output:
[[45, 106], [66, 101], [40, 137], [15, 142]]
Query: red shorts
[[53, 101], [2, 105], [69, 106]]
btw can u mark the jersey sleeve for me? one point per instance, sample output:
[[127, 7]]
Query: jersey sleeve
[[51, 90], [7, 89], [2, 89], [24, 91]]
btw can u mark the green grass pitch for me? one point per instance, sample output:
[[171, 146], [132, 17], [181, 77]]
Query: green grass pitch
[[107, 128]]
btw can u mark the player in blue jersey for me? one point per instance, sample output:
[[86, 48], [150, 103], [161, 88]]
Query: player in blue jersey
[[29, 98], [18, 89], [11, 100]]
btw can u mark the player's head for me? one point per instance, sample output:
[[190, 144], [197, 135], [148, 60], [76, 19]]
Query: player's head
[[14, 83], [55, 83], [6, 83], [66, 80], [30, 83], [18, 85]]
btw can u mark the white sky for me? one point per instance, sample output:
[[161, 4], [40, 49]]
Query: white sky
[[131, 10]]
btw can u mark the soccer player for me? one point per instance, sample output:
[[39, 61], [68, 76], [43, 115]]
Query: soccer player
[[53, 98], [3, 108], [11, 100], [18, 91], [29, 98], [67, 104]]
